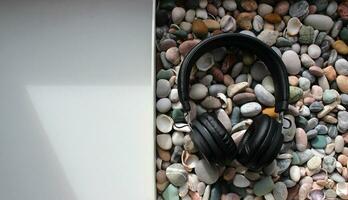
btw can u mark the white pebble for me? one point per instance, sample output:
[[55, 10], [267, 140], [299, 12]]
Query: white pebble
[[314, 51], [295, 173], [164, 141], [292, 62]]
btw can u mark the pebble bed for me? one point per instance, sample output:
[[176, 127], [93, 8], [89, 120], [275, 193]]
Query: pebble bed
[[311, 38]]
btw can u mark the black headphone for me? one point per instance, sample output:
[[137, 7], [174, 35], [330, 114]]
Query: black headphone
[[263, 140]]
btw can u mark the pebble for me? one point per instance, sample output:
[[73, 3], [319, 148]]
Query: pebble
[[198, 91], [250, 109], [229, 5], [206, 172], [299, 9], [316, 71], [201, 13], [236, 88], [296, 93], [283, 165], [342, 125], [176, 174], [178, 138], [162, 88], [215, 193], [295, 173], [329, 164], [171, 193], [304, 83], [224, 119], [342, 190], [330, 73], [282, 7], [164, 141], [190, 15], [259, 71], [163, 105], [341, 47], [228, 23], [263, 186], [240, 181], [329, 96], [339, 144], [186, 46], [263, 96], [199, 28], [342, 10], [319, 142], [337, 178], [178, 14], [331, 8], [268, 84], [280, 192], [301, 139], [314, 51], [318, 21], [306, 35], [273, 18], [342, 83], [268, 36], [292, 62], [249, 5], [211, 103], [341, 66], [314, 163], [264, 9], [258, 23]]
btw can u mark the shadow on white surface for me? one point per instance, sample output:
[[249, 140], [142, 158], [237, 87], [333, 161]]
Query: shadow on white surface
[[76, 106]]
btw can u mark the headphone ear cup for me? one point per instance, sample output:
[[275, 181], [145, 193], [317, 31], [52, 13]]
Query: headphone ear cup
[[220, 135], [207, 136], [253, 138], [200, 143], [271, 148]]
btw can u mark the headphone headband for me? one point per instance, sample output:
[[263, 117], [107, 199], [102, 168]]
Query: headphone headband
[[272, 61]]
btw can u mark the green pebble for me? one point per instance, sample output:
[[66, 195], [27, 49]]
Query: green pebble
[[171, 193], [215, 193], [296, 94], [283, 42], [295, 159], [329, 96], [180, 34], [301, 121], [240, 191], [167, 4], [344, 34], [263, 186], [319, 142], [306, 35], [164, 74], [178, 115], [320, 38]]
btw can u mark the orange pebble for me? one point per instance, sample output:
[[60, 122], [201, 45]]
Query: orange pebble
[[343, 159], [273, 18], [270, 112]]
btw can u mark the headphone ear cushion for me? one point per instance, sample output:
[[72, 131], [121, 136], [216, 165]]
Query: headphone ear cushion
[[207, 136], [220, 135], [253, 138], [200, 143], [272, 148]]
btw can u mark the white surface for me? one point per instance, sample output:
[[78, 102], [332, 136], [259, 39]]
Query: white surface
[[76, 120]]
